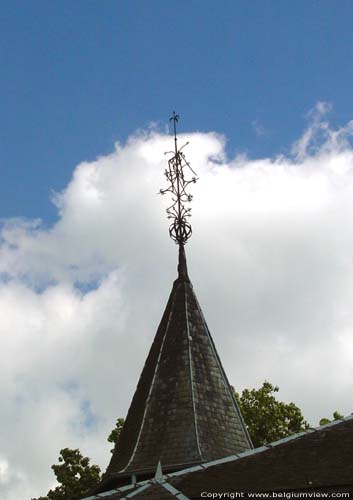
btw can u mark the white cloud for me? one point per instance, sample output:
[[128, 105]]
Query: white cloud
[[319, 137], [270, 259], [4, 471]]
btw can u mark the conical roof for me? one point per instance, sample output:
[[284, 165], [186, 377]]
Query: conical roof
[[183, 411]]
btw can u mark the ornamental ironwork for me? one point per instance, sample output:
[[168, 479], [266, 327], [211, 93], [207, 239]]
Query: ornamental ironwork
[[177, 176]]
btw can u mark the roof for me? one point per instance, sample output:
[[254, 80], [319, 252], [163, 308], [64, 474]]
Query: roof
[[151, 490], [320, 459], [183, 412]]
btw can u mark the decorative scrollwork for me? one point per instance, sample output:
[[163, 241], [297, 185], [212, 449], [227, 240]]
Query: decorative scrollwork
[[180, 229]]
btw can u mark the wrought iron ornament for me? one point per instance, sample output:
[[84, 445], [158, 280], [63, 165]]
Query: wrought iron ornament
[[180, 229]]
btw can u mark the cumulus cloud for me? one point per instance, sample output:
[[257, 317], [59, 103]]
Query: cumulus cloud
[[270, 260]]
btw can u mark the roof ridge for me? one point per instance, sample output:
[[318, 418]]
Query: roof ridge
[[151, 387], [189, 338], [171, 489], [224, 376]]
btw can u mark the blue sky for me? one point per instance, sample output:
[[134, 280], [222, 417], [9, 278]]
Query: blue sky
[[78, 76], [271, 251]]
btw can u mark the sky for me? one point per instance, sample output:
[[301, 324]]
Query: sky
[[86, 264]]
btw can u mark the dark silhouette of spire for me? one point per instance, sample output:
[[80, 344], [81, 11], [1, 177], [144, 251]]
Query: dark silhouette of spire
[[182, 266]]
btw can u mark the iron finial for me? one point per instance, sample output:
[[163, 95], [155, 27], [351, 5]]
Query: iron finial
[[180, 229]]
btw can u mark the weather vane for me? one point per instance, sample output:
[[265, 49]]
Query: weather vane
[[180, 229]]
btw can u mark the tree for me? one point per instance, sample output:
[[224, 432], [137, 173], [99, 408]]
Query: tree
[[115, 434], [75, 475], [336, 416], [266, 418]]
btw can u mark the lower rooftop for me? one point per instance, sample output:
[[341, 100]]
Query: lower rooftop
[[317, 460]]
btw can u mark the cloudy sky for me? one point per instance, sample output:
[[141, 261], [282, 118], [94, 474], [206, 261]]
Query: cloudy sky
[[86, 264]]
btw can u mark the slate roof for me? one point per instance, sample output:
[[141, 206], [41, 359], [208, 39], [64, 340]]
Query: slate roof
[[183, 411], [318, 460], [151, 490]]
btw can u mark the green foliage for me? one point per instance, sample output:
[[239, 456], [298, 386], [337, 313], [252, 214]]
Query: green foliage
[[75, 475], [115, 434], [336, 416], [266, 418]]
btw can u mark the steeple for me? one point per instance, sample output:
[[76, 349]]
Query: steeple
[[183, 412]]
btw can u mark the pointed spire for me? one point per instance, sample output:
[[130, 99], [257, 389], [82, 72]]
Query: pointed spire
[[183, 412], [182, 266]]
